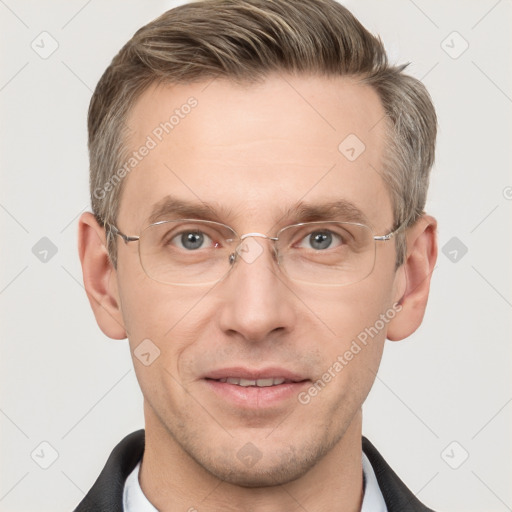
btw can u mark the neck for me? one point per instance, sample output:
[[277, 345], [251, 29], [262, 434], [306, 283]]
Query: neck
[[172, 480]]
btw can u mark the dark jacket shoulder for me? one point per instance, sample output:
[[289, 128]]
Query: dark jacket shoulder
[[106, 495], [396, 494]]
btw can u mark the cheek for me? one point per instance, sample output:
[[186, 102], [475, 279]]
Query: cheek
[[162, 323], [158, 314], [341, 314], [356, 318]]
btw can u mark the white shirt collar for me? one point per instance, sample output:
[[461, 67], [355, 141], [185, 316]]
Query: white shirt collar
[[134, 499], [373, 501]]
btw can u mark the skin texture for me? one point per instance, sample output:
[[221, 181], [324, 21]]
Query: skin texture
[[251, 151]]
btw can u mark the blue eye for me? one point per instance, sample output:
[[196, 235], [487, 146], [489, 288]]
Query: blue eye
[[191, 240], [320, 240]]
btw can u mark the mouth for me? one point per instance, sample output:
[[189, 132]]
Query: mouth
[[255, 389], [260, 383]]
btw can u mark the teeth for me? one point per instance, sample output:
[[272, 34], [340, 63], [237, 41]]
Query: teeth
[[246, 382], [261, 383]]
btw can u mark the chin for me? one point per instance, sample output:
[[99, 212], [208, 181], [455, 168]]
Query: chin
[[272, 466], [261, 474]]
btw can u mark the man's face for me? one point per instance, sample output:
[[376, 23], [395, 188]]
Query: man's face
[[251, 153]]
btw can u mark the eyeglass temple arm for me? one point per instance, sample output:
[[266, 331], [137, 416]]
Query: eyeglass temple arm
[[389, 236], [126, 238]]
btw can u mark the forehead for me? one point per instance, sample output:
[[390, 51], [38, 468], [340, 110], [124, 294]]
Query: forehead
[[250, 153]]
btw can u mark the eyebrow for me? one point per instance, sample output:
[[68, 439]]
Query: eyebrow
[[171, 207]]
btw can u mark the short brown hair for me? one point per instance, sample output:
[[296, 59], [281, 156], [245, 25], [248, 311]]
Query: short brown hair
[[245, 40]]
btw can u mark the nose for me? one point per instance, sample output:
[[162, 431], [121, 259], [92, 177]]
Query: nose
[[257, 302]]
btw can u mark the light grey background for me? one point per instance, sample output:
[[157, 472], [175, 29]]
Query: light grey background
[[64, 383]]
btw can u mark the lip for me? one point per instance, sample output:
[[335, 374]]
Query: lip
[[254, 397], [254, 374]]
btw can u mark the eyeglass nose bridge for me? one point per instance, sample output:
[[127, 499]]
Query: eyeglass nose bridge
[[261, 235], [233, 255]]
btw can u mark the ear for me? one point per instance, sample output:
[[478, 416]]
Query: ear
[[417, 269], [100, 278]]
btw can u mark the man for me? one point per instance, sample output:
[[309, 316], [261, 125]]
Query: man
[[258, 181]]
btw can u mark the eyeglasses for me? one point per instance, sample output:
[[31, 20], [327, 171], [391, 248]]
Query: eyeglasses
[[193, 251]]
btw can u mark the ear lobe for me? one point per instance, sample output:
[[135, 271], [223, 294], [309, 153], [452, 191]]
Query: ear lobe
[[99, 277], [417, 271]]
